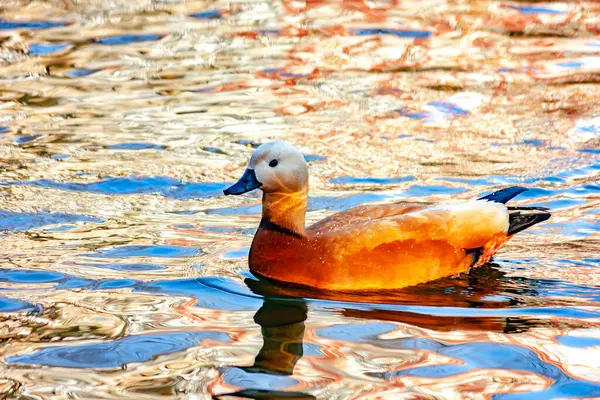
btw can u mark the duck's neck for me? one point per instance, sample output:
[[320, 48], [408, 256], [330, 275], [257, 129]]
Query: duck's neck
[[286, 210]]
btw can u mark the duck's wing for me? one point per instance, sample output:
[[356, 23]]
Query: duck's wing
[[464, 226], [361, 214]]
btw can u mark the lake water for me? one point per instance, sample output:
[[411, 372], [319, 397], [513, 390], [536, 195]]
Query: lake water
[[124, 270]]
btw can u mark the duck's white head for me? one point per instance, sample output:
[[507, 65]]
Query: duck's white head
[[275, 167]]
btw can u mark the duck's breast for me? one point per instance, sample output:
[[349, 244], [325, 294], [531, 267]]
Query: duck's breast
[[286, 257]]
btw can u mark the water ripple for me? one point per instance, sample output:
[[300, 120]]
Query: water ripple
[[114, 354], [122, 122], [17, 221], [162, 185]]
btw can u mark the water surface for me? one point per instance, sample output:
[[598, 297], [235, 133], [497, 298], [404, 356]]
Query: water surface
[[123, 270]]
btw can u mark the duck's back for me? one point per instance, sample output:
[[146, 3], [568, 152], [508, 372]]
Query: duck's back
[[466, 225], [346, 218]]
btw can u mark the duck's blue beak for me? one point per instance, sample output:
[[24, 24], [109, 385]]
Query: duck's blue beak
[[246, 183]]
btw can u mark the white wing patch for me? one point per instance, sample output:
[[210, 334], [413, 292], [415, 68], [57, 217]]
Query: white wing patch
[[479, 215]]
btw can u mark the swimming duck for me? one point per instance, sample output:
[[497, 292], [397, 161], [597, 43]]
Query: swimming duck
[[370, 247]]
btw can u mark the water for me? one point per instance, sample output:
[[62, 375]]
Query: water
[[124, 271]]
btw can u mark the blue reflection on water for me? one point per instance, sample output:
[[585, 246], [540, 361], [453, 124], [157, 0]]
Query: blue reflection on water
[[11, 305], [75, 73], [116, 353], [41, 49], [579, 341], [256, 380], [5, 25], [135, 146], [15, 221], [165, 186], [212, 14], [26, 138], [537, 10], [570, 64], [236, 254], [210, 292], [128, 39], [314, 157], [128, 267], [403, 33], [146, 251], [31, 276], [448, 108], [434, 111]]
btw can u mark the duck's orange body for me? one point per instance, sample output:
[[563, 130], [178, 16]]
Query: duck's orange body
[[376, 247], [369, 247]]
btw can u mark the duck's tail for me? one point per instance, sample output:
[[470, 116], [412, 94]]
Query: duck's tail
[[520, 218], [519, 221]]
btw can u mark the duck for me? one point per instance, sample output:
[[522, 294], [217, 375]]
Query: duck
[[369, 247]]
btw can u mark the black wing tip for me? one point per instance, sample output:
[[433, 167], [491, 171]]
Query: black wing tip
[[527, 208], [504, 195]]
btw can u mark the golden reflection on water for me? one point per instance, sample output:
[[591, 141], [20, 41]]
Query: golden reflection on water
[[124, 270]]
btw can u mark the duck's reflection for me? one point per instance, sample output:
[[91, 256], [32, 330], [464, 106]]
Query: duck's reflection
[[282, 328], [284, 312]]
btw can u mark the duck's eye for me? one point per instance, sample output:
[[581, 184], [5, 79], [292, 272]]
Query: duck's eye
[[273, 163]]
